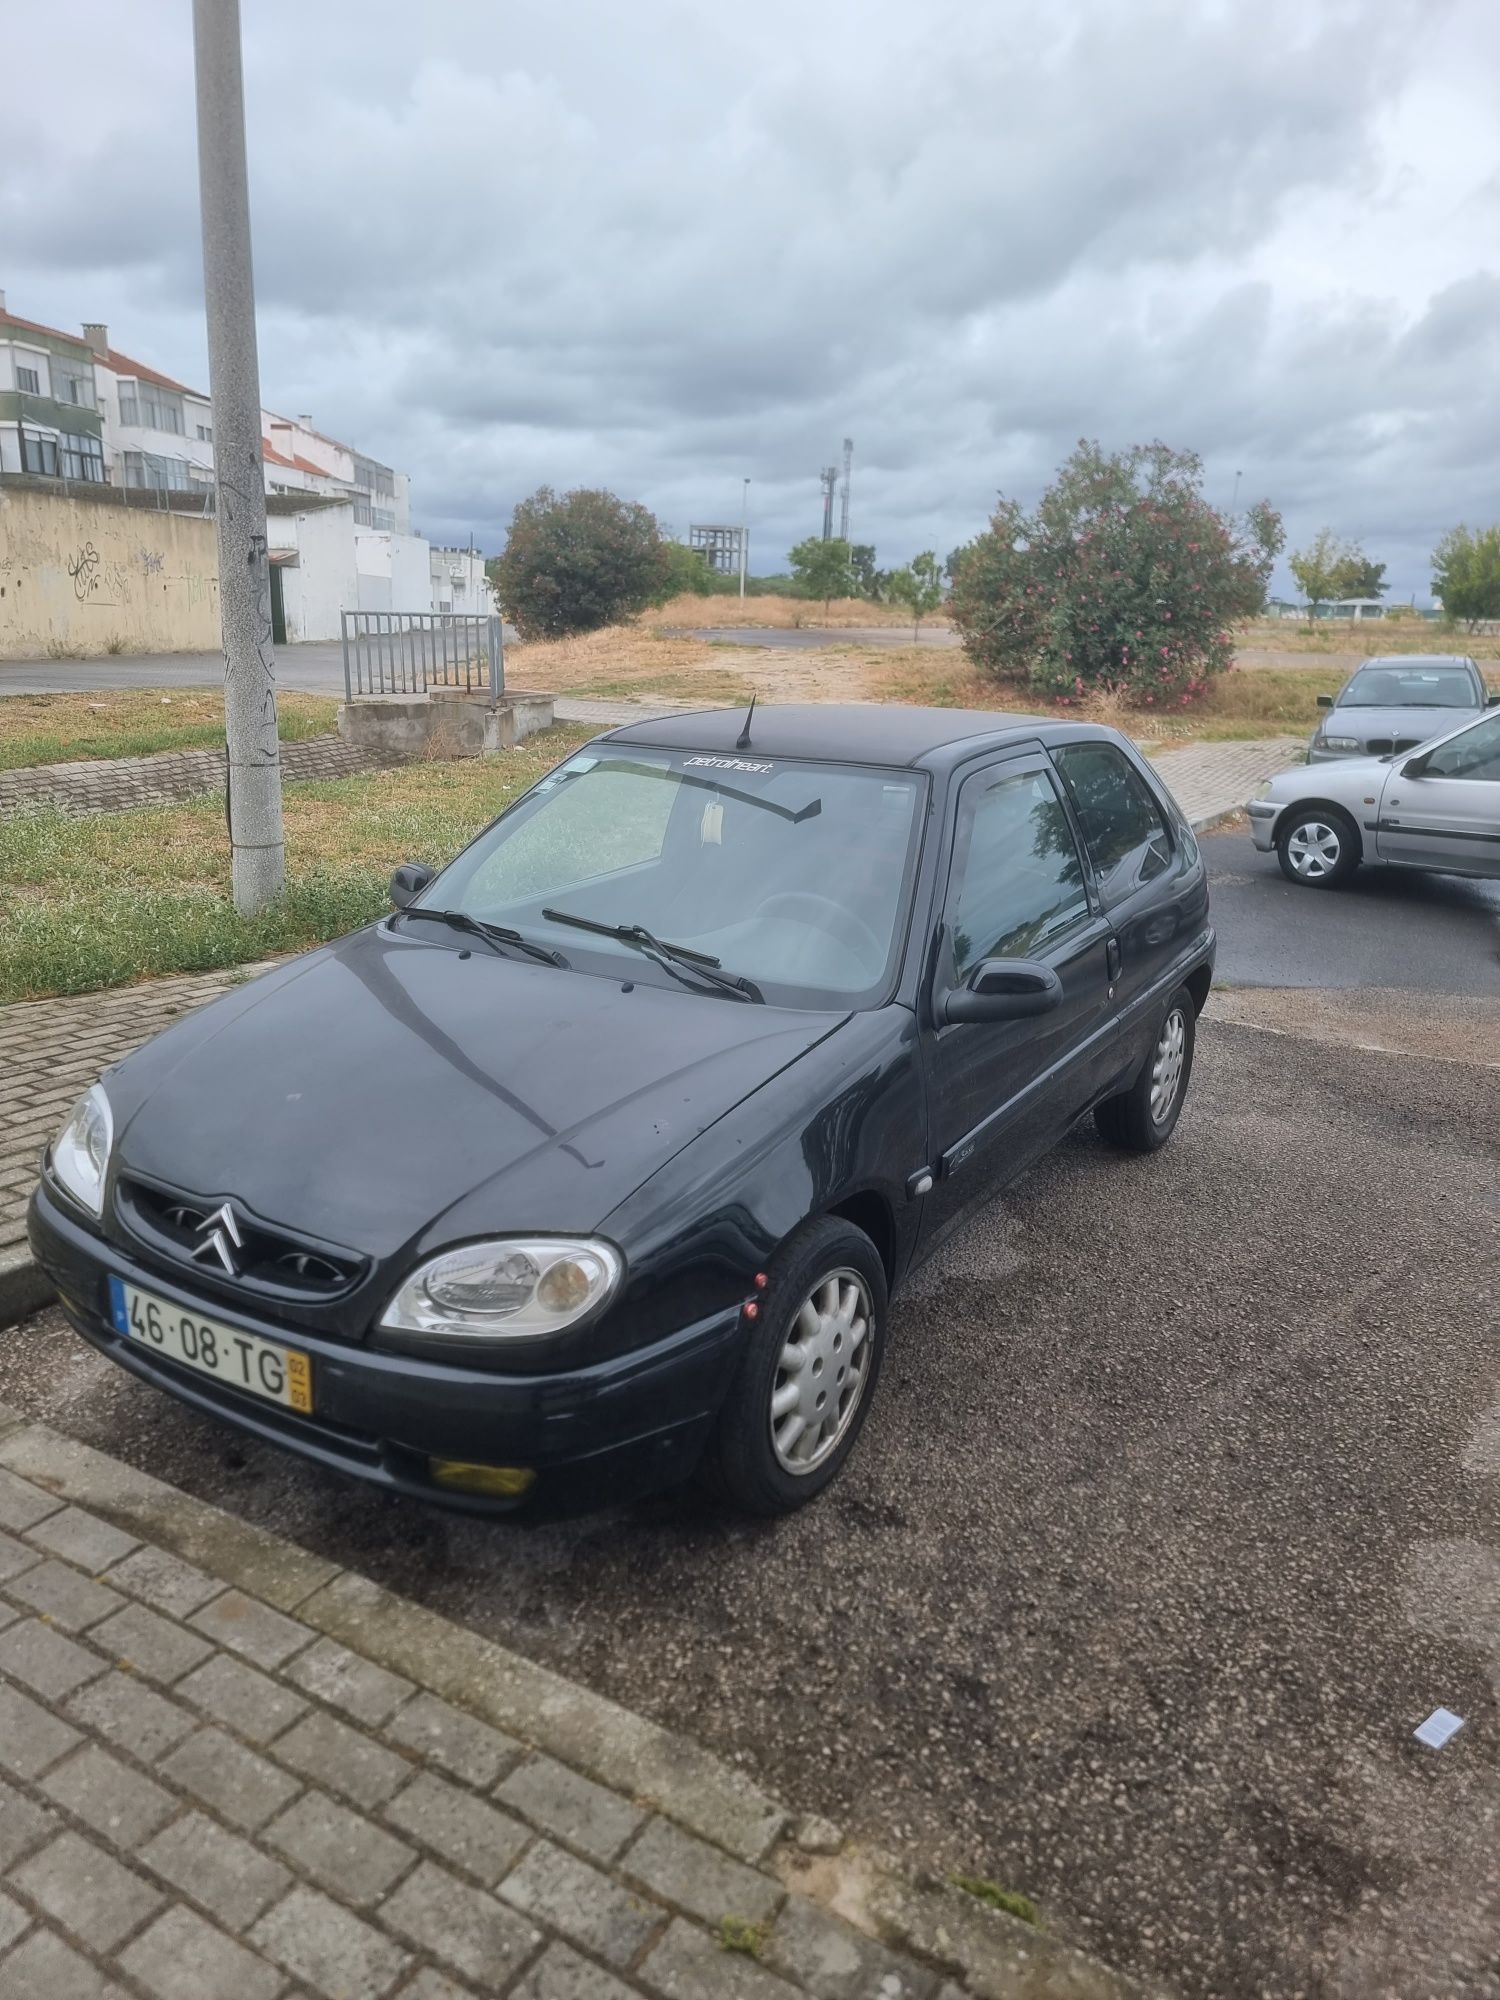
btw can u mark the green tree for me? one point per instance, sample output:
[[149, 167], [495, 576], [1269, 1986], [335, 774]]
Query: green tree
[[919, 587], [1359, 577], [1123, 576], [1466, 574], [822, 569], [867, 578], [579, 561], [1322, 568]]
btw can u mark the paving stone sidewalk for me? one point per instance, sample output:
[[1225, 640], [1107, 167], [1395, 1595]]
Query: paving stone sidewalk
[[115, 784], [231, 1771]]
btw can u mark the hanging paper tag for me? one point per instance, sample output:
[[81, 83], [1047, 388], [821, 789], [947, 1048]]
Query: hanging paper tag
[[711, 832]]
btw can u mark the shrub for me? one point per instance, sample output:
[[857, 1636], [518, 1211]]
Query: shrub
[[574, 563], [1122, 578]]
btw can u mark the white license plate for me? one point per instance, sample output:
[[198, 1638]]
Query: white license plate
[[238, 1359]]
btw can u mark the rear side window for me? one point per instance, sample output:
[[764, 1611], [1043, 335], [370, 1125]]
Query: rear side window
[[1017, 879], [1122, 824]]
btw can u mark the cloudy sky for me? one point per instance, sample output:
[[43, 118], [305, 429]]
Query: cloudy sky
[[660, 246]]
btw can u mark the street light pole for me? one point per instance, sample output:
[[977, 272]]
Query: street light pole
[[256, 842], [744, 533]]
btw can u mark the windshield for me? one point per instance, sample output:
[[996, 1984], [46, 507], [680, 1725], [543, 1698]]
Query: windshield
[[792, 875], [1409, 687]]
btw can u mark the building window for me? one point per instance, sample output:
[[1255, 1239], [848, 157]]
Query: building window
[[28, 381], [159, 475], [73, 382], [376, 479], [151, 407], [382, 517], [38, 452], [80, 456], [363, 514], [205, 433]]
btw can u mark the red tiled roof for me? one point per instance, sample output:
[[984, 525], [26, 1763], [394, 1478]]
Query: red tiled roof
[[123, 365], [274, 457], [35, 326]]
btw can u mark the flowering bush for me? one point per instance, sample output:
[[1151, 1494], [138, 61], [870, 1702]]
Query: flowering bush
[[1123, 578]]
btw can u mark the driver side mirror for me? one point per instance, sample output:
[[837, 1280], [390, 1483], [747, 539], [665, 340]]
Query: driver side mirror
[[1325, 701], [1414, 766], [1493, 701], [1004, 989], [408, 882]]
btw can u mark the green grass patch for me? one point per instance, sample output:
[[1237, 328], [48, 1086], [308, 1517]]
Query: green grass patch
[[1011, 1901], [88, 903], [135, 722]]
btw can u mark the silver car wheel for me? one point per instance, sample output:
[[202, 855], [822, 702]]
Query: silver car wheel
[[821, 1376], [1166, 1066], [1313, 848]]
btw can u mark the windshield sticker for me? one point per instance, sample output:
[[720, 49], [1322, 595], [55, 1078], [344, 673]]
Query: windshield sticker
[[726, 764], [579, 764]]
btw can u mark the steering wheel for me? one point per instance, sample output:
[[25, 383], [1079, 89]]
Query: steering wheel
[[822, 913]]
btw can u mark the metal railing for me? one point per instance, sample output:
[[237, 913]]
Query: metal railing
[[409, 652]]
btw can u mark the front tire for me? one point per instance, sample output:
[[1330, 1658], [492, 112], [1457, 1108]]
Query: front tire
[[807, 1374], [1143, 1118], [1317, 846]]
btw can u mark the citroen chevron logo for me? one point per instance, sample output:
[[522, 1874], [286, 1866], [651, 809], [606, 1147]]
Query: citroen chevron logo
[[225, 1231]]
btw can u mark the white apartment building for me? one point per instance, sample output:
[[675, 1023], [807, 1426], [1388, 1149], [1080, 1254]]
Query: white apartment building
[[76, 409]]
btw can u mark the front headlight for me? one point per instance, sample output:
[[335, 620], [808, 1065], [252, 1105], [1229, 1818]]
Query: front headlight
[[80, 1152], [511, 1289], [1340, 742]]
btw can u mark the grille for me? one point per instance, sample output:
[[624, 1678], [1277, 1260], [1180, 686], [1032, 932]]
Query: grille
[[1383, 746], [269, 1260]]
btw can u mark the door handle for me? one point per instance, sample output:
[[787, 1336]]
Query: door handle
[[1112, 956]]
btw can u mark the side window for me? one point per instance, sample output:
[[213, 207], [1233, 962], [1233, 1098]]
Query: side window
[[1123, 828], [1474, 754], [1016, 885]]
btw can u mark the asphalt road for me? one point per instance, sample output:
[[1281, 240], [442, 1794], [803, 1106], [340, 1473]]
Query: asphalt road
[[1158, 1545], [1387, 927], [311, 669]]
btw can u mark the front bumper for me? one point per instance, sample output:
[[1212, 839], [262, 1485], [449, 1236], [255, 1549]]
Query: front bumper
[[594, 1436], [1263, 815]]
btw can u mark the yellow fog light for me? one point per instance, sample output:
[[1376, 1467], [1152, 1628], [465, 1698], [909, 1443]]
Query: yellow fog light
[[503, 1482]]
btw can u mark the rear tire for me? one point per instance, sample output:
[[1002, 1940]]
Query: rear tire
[[825, 1304], [1317, 846], [1143, 1118]]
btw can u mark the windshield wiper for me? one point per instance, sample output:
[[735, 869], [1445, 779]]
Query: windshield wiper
[[494, 935], [667, 955]]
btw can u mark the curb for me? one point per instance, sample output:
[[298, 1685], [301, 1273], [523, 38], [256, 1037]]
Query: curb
[[1206, 822], [995, 1955], [23, 1286]]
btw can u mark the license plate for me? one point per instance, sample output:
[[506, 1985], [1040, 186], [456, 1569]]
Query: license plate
[[238, 1359]]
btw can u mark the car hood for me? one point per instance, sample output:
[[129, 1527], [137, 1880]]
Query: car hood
[[1414, 725], [386, 1091]]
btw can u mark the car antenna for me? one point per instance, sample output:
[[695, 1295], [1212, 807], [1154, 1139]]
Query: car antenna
[[742, 741]]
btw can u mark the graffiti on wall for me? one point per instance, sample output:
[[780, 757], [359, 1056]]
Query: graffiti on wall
[[151, 561], [84, 570]]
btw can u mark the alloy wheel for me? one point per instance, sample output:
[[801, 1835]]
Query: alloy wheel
[[1166, 1066], [1313, 848], [822, 1372]]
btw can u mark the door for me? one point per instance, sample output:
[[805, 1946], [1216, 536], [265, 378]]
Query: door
[[278, 608], [1150, 881], [1448, 815], [1001, 1092]]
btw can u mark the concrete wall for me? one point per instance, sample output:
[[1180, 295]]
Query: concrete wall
[[322, 581], [82, 576]]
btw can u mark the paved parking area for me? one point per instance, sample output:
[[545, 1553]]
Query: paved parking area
[[1178, 1510]]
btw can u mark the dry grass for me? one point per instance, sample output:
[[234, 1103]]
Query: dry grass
[[134, 722], [702, 612], [1343, 638]]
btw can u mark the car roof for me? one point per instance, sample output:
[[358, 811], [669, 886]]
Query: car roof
[[890, 733], [1415, 662]]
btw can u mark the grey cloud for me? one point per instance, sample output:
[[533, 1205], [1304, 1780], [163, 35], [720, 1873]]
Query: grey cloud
[[656, 248]]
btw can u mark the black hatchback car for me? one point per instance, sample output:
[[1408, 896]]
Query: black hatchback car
[[598, 1159]]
